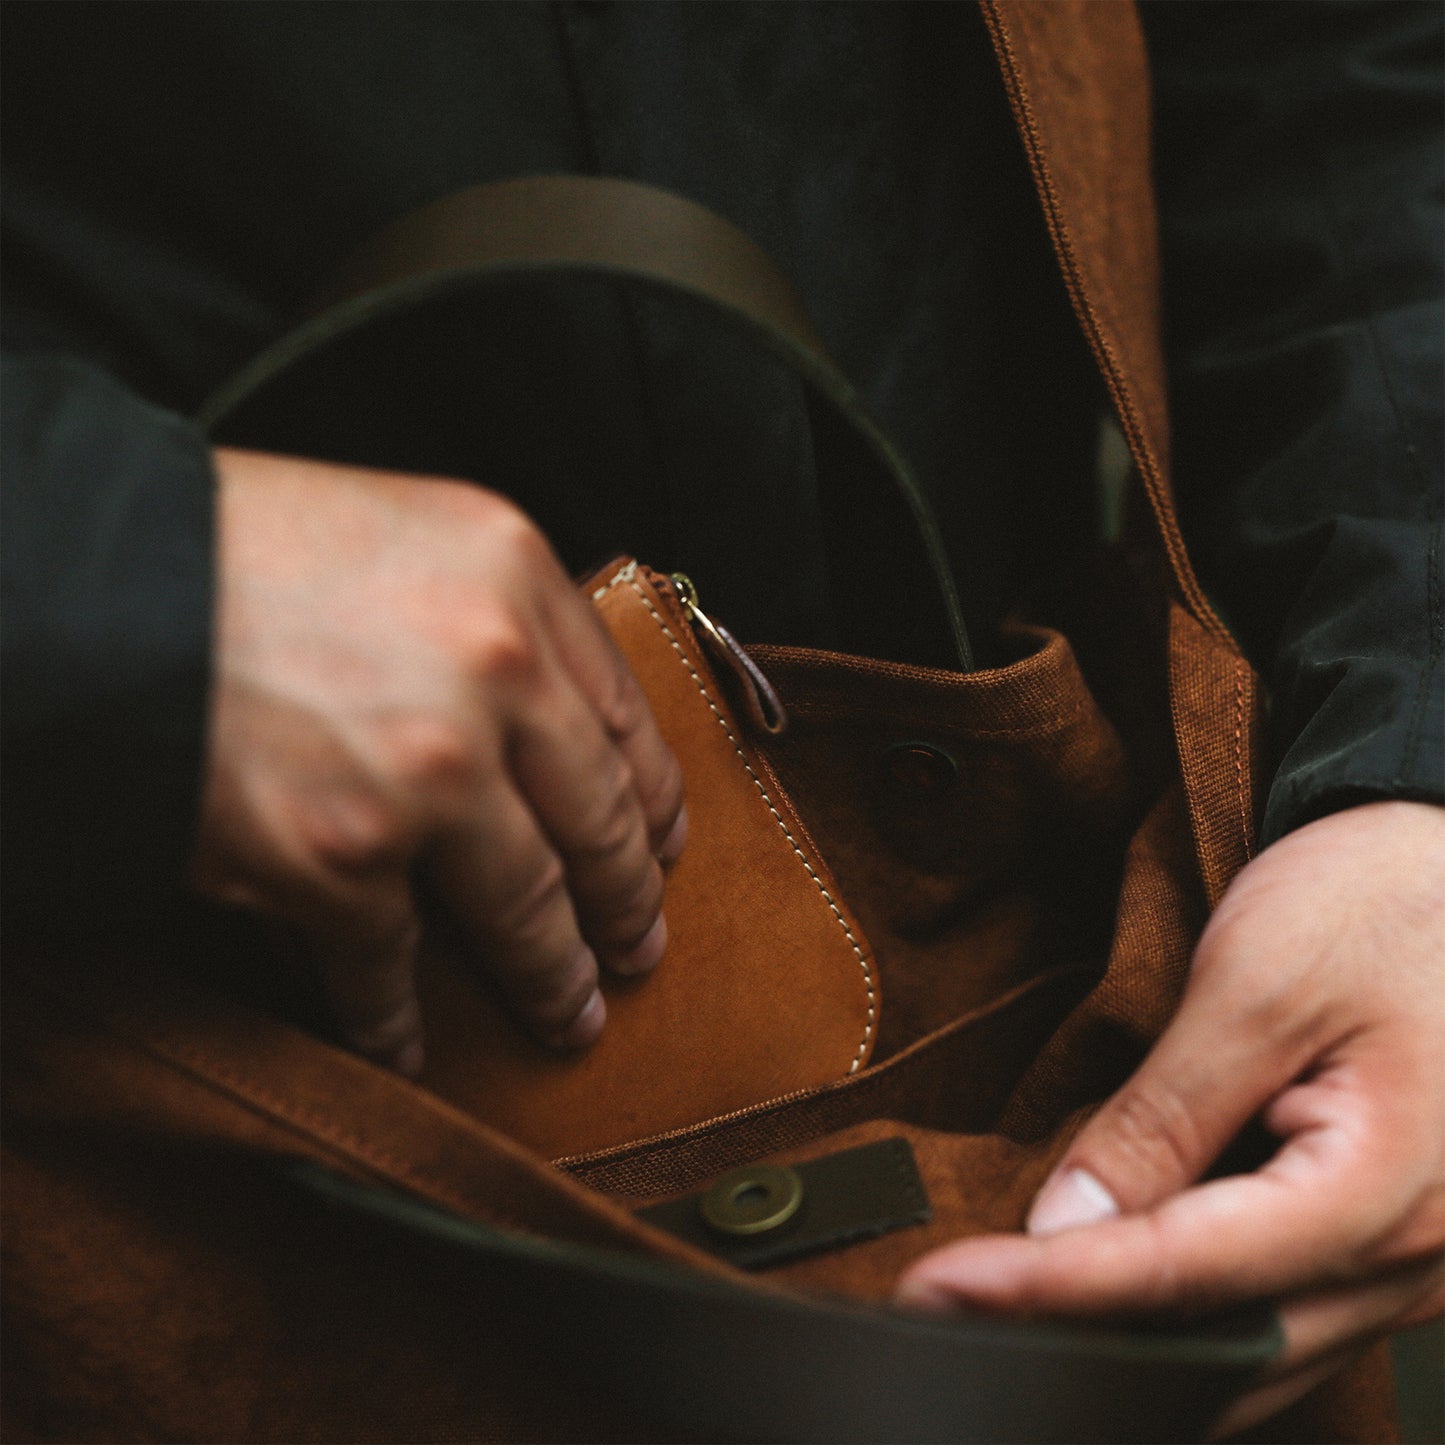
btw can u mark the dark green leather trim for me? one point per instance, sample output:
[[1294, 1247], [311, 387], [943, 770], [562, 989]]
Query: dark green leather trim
[[716, 1361], [851, 1195]]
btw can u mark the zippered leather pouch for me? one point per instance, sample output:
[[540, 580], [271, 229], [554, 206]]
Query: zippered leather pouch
[[768, 985]]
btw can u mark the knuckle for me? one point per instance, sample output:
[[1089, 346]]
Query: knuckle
[[500, 651], [668, 800], [550, 983], [1279, 1012], [1155, 1132], [1419, 1234], [1281, 1004], [622, 706], [545, 969], [626, 918], [660, 792], [507, 520], [503, 529], [522, 917], [524, 539], [353, 834], [469, 502], [431, 756], [1165, 1283], [1228, 936], [612, 823]]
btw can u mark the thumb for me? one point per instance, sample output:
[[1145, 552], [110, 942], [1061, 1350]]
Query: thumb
[[1207, 1075]]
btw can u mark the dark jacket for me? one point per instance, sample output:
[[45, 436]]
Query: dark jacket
[[179, 178]]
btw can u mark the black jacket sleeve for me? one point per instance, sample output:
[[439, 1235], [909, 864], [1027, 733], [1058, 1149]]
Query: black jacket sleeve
[[107, 576], [1299, 160]]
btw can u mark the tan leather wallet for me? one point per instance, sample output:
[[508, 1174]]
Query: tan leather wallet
[[767, 986]]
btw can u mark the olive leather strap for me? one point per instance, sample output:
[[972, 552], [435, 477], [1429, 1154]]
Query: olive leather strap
[[708, 1359], [878, 525]]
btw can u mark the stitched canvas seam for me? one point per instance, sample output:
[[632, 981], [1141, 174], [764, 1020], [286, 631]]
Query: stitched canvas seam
[[324, 1130], [249, 1093], [1434, 629], [1239, 774], [628, 575], [1048, 727], [1094, 314]]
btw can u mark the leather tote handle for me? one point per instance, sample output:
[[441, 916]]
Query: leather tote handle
[[880, 537], [715, 1360]]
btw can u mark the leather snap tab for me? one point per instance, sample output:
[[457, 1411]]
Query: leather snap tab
[[752, 1200], [918, 767], [761, 1215]]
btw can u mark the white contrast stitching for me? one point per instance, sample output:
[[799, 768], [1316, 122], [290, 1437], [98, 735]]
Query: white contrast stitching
[[623, 574], [628, 575]]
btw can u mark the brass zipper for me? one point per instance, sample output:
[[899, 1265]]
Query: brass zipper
[[764, 707]]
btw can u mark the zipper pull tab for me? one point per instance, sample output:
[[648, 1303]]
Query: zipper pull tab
[[765, 707]]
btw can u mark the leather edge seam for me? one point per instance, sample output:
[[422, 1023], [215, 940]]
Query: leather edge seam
[[628, 575]]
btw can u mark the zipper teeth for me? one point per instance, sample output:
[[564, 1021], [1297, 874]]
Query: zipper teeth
[[1031, 988], [701, 1129], [670, 592]]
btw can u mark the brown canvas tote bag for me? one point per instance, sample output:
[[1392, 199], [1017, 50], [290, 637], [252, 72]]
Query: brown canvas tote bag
[[219, 1226]]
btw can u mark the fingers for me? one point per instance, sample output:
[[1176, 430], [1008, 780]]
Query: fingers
[[333, 867], [1201, 1083], [591, 658], [1348, 1196], [407, 678], [586, 799], [1326, 1329], [1318, 1016], [506, 884], [543, 850], [1259, 1405], [552, 866], [365, 948], [1217, 1244], [559, 870], [1108, 1269], [361, 926], [1321, 1322], [1154, 1243], [1275, 985]]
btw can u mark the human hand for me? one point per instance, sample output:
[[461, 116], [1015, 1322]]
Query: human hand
[[1317, 1002], [408, 686]]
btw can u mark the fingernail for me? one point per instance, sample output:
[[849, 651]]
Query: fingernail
[[644, 956], [585, 1028], [672, 845], [925, 1297], [1070, 1201]]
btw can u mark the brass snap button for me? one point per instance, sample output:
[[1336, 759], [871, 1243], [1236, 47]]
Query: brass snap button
[[752, 1200], [919, 767]]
